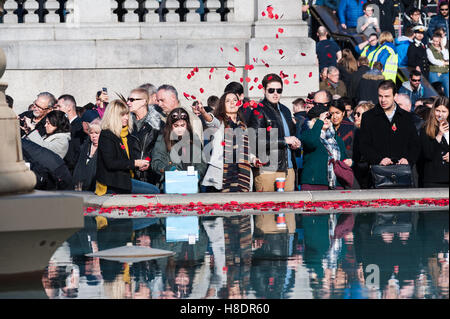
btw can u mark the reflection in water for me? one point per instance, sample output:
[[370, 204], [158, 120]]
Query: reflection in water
[[343, 256]]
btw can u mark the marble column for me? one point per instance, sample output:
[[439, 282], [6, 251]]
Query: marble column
[[15, 177]]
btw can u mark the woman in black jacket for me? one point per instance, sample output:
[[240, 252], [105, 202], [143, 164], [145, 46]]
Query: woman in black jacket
[[118, 153], [434, 142], [86, 167]]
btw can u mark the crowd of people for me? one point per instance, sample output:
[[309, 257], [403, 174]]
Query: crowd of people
[[234, 144], [358, 118]]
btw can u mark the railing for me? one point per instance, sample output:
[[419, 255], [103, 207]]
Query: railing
[[149, 11]]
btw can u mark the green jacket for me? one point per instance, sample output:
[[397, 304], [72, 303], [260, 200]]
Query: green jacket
[[315, 156], [161, 161]]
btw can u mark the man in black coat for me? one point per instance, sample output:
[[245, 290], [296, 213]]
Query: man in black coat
[[388, 135], [388, 12], [272, 115], [67, 104], [363, 67]]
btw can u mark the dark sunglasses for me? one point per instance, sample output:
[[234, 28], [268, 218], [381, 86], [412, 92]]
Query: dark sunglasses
[[179, 116], [358, 114], [130, 99], [321, 104], [443, 9], [415, 80], [272, 91]]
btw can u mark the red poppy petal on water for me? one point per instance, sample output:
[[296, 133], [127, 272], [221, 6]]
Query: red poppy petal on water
[[201, 90], [210, 76], [192, 73], [276, 36], [242, 80], [280, 51], [260, 86], [227, 76], [267, 65], [235, 48], [295, 76], [286, 81], [189, 76], [276, 16], [281, 30], [296, 82], [263, 14], [310, 74], [251, 88], [255, 79], [269, 8], [221, 49], [247, 79], [266, 47], [303, 54], [196, 69], [211, 70], [187, 96]]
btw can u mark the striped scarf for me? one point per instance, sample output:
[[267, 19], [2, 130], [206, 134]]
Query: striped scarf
[[236, 166], [331, 145]]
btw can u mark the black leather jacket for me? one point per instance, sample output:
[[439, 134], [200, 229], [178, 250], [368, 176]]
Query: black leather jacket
[[269, 116], [146, 137]]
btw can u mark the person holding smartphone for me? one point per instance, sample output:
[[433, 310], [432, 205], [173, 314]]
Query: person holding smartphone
[[368, 24], [434, 141], [102, 101], [320, 143]]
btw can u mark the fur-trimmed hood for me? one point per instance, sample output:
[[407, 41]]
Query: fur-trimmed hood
[[375, 75]]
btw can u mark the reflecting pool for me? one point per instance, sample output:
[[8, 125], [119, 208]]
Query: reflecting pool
[[338, 256]]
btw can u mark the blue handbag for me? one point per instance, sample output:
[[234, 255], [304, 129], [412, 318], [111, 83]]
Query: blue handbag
[[180, 182], [182, 228]]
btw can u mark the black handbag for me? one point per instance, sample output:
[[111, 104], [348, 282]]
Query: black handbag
[[392, 223], [391, 176]]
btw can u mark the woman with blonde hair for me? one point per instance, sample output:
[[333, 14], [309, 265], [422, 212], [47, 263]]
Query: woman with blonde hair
[[386, 54], [117, 154], [86, 167], [361, 166], [434, 141]]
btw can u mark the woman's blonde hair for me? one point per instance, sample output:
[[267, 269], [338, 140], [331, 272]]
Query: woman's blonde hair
[[95, 124], [366, 105], [385, 36], [112, 119]]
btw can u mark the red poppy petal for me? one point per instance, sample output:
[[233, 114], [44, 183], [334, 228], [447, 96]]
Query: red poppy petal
[[266, 47], [247, 79], [227, 76], [310, 74], [286, 81], [201, 90], [235, 48], [187, 96], [303, 54]]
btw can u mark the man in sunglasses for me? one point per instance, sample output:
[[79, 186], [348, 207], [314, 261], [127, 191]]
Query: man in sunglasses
[[274, 119], [439, 21], [413, 88], [44, 103]]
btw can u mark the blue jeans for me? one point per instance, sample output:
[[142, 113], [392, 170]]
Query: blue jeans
[[138, 187], [434, 77]]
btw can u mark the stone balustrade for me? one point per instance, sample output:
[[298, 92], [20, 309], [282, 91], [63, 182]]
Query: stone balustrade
[[145, 11]]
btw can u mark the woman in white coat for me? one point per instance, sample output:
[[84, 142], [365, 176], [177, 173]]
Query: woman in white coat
[[229, 168], [57, 129]]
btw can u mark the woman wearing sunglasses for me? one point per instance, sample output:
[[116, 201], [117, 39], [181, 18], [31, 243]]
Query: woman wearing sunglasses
[[177, 147], [320, 144], [360, 166], [229, 168], [118, 154]]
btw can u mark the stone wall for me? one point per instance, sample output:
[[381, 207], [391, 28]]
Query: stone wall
[[91, 51]]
